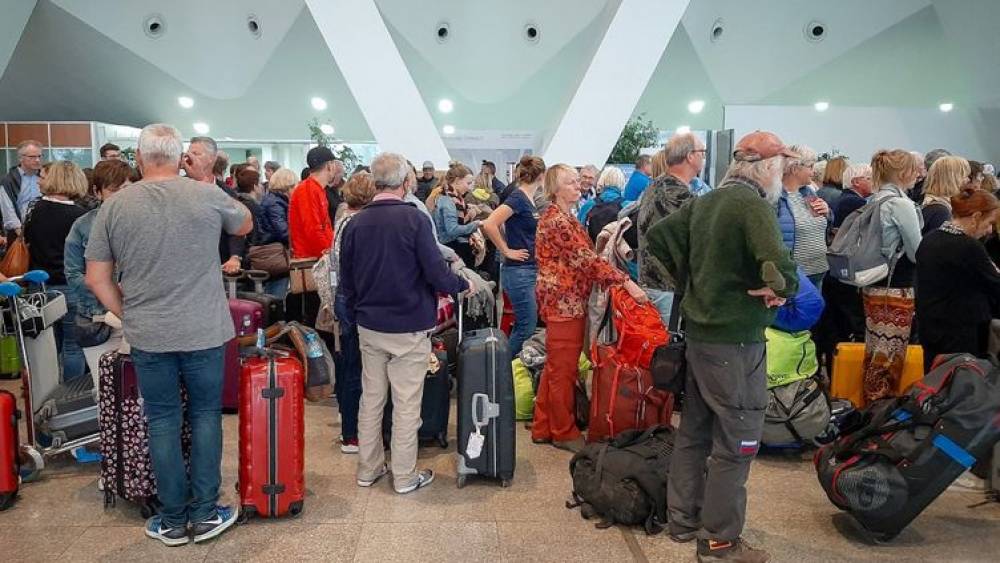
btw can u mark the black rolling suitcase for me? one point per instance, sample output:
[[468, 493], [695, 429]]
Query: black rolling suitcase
[[274, 308], [486, 440], [435, 406], [906, 451]]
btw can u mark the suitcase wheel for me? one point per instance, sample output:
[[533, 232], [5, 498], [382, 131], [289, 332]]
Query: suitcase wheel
[[461, 481], [295, 509], [504, 483], [245, 513], [442, 440]]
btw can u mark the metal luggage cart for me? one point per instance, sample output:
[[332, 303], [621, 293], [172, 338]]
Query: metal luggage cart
[[34, 310]]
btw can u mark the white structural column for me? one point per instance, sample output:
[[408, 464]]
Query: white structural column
[[377, 77], [615, 80], [13, 17]]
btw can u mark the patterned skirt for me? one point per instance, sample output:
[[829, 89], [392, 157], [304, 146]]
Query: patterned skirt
[[888, 320]]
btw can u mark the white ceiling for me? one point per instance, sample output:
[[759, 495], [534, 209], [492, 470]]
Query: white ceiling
[[91, 60]]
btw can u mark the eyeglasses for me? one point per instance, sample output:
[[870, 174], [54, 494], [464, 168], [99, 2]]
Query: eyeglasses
[[31, 156], [699, 150]]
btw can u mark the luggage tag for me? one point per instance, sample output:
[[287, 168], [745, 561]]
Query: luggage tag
[[475, 445]]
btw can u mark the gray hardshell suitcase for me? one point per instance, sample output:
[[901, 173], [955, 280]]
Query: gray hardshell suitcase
[[70, 412], [485, 404]]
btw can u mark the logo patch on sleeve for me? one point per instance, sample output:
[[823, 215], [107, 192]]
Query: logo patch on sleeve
[[748, 447]]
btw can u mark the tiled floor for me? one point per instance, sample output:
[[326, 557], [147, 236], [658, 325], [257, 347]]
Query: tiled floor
[[62, 518]]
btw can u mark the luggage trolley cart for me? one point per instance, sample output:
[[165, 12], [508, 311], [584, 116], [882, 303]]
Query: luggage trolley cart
[[60, 416]]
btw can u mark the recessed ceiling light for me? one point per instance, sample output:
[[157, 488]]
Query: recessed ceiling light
[[946, 107], [822, 106], [185, 102], [445, 106], [696, 106], [318, 104], [448, 129], [326, 128], [683, 129], [200, 127]]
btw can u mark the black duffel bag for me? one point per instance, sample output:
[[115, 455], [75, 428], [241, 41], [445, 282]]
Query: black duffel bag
[[624, 481], [903, 452]]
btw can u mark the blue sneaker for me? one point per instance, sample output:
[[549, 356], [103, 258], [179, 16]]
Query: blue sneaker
[[224, 518], [169, 536]]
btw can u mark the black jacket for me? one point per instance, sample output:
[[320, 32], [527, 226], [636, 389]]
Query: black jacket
[[11, 183], [230, 245], [956, 280]]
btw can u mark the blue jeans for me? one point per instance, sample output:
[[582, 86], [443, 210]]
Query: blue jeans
[[278, 288], [160, 377], [347, 361], [519, 283], [663, 301], [74, 364]]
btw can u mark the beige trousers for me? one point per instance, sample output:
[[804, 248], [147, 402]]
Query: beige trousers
[[396, 364]]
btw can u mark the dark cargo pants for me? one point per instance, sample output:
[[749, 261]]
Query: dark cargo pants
[[720, 430]]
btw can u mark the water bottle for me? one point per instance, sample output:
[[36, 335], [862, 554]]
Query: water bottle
[[313, 349], [261, 339]]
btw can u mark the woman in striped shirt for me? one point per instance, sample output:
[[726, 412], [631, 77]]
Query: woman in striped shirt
[[804, 216]]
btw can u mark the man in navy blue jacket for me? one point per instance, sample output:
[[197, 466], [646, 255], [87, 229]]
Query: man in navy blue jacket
[[390, 273]]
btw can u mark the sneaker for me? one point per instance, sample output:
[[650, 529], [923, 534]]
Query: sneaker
[[735, 550], [424, 477], [349, 446], [169, 536], [369, 482], [224, 519]]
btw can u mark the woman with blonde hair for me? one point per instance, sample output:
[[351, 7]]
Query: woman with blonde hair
[[889, 304], [832, 181], [272, 223], [568, 267], [46, 227], [945, 180]]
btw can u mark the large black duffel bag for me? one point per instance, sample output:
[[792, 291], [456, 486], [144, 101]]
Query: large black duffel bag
[[624, 481], [906, 451]]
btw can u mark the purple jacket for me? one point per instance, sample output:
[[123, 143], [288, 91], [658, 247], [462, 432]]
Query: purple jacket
[[391, 269]]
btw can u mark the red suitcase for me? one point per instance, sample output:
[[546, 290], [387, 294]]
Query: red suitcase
[[247, 316], [623, 397], [272, 459], [9, 446]]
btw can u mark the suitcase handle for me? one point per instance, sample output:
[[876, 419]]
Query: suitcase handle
[[490, 410]]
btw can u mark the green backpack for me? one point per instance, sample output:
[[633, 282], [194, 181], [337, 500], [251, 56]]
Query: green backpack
[[791, 356]]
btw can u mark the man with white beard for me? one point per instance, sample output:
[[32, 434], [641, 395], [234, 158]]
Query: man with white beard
[[725, 253]]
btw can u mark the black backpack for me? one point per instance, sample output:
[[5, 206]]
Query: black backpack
[[600, 215], [624, 481]]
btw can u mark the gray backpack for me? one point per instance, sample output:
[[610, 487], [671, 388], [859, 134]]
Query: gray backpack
[[855, 256]]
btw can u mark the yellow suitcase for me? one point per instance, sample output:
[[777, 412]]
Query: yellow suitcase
[[846, 381]]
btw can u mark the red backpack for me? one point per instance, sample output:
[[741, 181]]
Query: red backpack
[[639, 327]]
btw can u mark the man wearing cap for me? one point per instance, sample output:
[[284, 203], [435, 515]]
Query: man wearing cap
[[309, 228], [724, 250], [426, 181]]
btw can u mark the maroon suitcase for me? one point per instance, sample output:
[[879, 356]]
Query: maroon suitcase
[[248, 316], [9, 446]]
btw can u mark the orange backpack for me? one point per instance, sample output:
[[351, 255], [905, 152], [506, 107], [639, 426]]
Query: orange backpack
[[639, 328]]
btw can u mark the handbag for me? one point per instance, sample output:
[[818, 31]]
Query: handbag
[[271, 258], [15, 261], [301, 276], [669, 364], [90, 333]]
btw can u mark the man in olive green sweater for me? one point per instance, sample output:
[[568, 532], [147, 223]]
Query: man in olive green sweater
[[725, 250]]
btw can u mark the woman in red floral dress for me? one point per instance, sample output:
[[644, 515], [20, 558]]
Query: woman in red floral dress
[[567, 269]]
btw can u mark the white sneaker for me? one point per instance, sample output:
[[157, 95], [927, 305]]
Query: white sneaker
[[369, 482], [349, 446], [424, 477]]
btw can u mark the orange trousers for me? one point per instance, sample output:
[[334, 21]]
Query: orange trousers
[[555, 404]]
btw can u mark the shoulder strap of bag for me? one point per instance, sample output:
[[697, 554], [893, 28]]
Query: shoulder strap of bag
[[673, 325]]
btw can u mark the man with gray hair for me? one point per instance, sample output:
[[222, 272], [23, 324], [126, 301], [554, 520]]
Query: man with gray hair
[[684, 156], [588, 182], [725, 252], [20, 185], [395, 315], [857, 182], [270, 167], [199, 164], [159, 236]]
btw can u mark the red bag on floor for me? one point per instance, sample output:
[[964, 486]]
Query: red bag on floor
[[9, 450], [639, 328], [623, 397]]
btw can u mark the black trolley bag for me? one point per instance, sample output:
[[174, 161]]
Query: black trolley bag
[[435, 404], [905, 451], [485, 404], [274, 308]]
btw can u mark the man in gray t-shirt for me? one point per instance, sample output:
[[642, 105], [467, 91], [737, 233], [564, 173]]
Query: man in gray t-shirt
[[161, 235]]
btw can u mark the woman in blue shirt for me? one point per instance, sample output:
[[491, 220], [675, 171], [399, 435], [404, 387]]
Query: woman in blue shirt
[[518, 217]]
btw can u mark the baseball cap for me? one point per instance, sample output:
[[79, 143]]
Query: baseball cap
[[318, 156], [428, 165], [761, 145]]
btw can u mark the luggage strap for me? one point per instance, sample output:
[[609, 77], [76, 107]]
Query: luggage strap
[[275, 489], [789, 415]]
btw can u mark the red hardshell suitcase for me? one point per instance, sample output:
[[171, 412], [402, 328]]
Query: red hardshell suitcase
[[247, 316], [9, 446], [272, 459]]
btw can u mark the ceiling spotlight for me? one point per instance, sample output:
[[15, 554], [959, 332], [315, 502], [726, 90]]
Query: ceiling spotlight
[[185, 102], [326, 128], [200, 127], [683, 129], [822, 106], [946, 107], [448, 129], [445, 106], [696, 106], [318, 104]]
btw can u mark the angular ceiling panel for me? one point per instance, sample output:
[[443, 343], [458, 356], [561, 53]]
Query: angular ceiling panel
[[15, 17], [207, 45]]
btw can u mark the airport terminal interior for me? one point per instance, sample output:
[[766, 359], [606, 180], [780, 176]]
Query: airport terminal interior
[[499, 280]]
